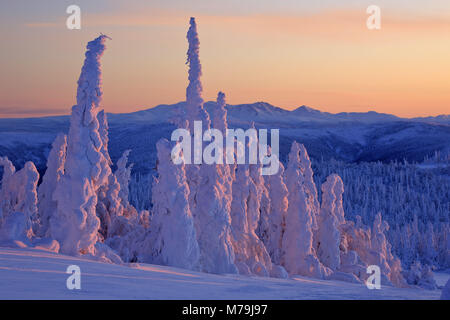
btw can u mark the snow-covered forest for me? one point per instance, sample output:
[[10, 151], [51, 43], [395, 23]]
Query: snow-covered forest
[[322, 219]]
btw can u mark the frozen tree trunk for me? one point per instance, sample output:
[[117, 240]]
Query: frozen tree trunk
[[18, 206], [173, 237], [75, 225], [299, 255], [55, 170]]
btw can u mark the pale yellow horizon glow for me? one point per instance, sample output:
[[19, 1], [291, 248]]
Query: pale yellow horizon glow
[[327, 60]]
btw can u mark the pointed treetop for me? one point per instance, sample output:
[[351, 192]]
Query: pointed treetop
[[221, 99], [194, 90]]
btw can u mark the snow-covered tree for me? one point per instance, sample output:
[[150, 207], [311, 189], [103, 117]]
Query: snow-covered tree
[[172, 238], [328, 234], [104, 134], [75, 225], [299, 256], [420, 276], [273, 223], [209, 198], [409, 198], [55, 170], [194, 100], [18, 202], [126, 227], [123, 175], [251, 254], [309, 185], [383, 257]]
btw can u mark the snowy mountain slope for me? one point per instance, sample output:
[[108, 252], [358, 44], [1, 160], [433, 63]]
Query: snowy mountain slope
[[36, 274], [346, 136]]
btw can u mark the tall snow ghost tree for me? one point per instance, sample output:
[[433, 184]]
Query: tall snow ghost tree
[[75, 225], [123, 175], [309, 185], [381, 254], [18, 202], [110, 207], [251, 254], [299, 254], [328, 235], [55, 170], [272, 224], [172, 238], [208, 200], [194, 100]]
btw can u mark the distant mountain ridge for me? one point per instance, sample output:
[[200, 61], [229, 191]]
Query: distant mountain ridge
[[347, 136]]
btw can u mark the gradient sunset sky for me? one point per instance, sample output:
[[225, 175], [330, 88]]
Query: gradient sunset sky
[[288, 53]]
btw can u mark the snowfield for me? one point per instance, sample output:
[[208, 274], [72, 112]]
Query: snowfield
[[36, 274]]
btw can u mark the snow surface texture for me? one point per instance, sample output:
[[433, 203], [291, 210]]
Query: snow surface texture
[[36, 274]]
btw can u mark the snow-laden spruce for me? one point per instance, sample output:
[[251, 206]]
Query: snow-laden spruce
[[75, 225], [110, 206], [346, 248], [103, 130], [273, 223], [194, 100], [251, 254], [18, 202], [409, 198], [212, 219], [220, 122], [209, 197], [123, 175], [122, 228], [55, 170], [309, 185], [299, 255], [172, 238], [382, 254], [328, 235]]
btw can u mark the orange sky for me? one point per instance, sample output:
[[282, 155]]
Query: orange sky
[[326, 59]]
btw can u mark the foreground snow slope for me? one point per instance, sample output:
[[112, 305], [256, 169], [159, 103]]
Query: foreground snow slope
[[36, 274]]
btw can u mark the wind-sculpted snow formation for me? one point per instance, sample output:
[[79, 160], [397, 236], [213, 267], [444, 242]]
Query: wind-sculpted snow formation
[[272, 222], [18, 202], [172, 239], [209, 197], [216, 218], [55, 170], [299, 253], [75, 225]]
